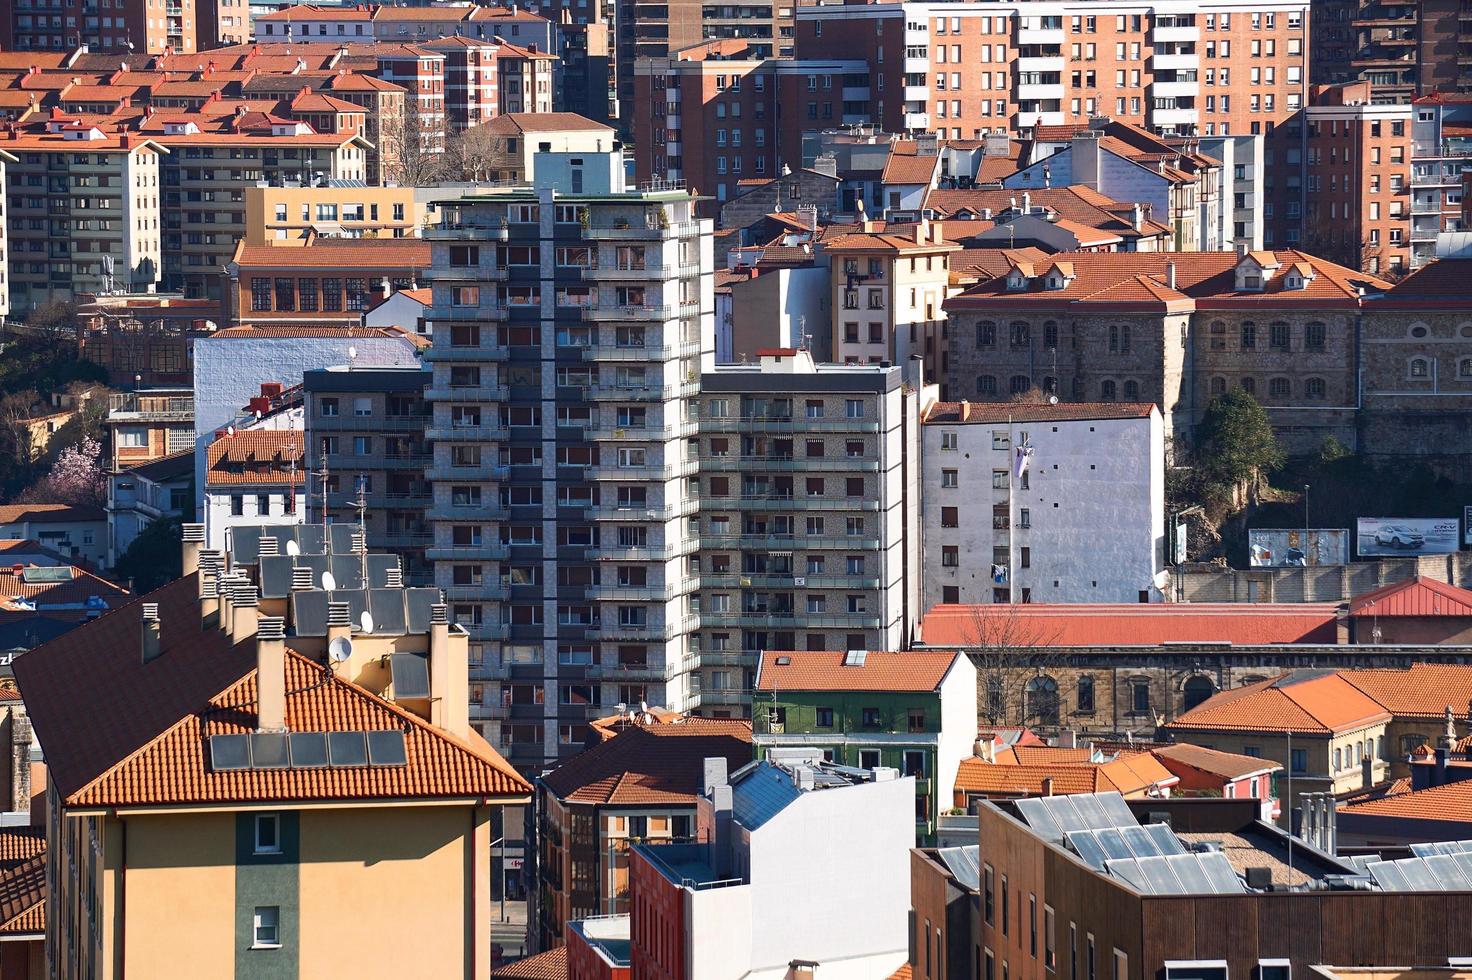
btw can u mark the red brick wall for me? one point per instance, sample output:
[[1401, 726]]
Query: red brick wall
[[657, 923]]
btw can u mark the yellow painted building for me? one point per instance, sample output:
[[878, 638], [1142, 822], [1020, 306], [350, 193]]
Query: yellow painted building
[[225, 800], [286, 213]]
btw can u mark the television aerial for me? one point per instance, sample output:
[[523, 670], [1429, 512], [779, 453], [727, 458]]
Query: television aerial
[[340, 649]]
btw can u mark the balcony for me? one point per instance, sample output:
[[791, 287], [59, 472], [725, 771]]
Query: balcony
[[674, 430], [653, 593], [611, 352], [766, 619], [1435, 178], [139, 406], [640, 393], [758, 464], [369, 423], [1426, 205], [1173, 117], [490, 551], [644, 631], [651, 553], [1040, 35], [479, 592], [1177, 89], [1040, 63], [638, 314], [1039, 92], [771, 502], [917, 93], [614, 512], [1026, 120], [486, 512], [725, 695], [469, 433], [630, 672], [1162, 33], [440, 352], [789, 581], [598, 232], [917, 64], [1174, 62], [666, 471], [921, 120], [478, 472], [785, 542], [762, 423], [467, 393], [728, 658]]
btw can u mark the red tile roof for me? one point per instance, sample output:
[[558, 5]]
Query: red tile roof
[[1422, 691], [145, 741], [825, 670], [1449, 803], [1227, 765], [1131, 624], [551, 965], [364, 254], [1129, 774], [651, 764], [956, 413], [22, 882], [47, 513], [909, 168], [77, 588], [256, 457], [1081, 205], [1306, 701], [514, 123], [1418, 596]]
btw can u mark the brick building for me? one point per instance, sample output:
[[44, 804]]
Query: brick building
[[128, 26], [325, 281], [1177, 329]]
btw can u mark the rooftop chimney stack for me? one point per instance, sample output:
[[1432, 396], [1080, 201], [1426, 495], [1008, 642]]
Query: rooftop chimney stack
[[152, 645], [1367, 772], [209, 597], [393, 577], [271, 674], [1170, 274], [269, 547], [301, 578], [245, 601], [339, 621], [193, 543], [449, 673]]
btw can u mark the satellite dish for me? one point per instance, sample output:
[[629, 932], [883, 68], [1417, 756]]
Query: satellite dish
[[230, 431], [366, 621], [1052, 399], [292, 548], [340, 649], [328, 582], [352, 353]]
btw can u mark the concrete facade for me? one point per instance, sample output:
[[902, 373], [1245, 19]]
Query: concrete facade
[[1093, 466]]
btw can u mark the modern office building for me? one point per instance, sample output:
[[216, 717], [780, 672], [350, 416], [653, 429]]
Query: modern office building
[[570, 332], [808, 515]]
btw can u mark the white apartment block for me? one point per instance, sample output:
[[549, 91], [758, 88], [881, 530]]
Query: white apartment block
[[570, 332], [1082, 521]]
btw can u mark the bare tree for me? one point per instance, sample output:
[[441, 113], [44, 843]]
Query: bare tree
[[469, 155], [413, 145], [1016, 658]]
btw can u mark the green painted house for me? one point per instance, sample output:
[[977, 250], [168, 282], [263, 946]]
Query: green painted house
[[914, 711]]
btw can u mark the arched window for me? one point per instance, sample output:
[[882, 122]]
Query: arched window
[[1132, 391], [1249, 385], [986, 333], [1019, 333], [1106, 391], [1019, 384], [1313, 389], [1249, 336], [986, 385], [1420, 367], [1464, 368], [1278, 335], [1050, 385], [1042, 700], [1218, 386], [1218, 335], [1280, 388], [996, 700], [1196, 690], [1119, 338], [1050, 334]]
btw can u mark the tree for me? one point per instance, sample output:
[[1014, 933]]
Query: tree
[[1236, 445], [53, 319], [155, 557], [75, 478], [1011, 652], [413, 145], [468, 155]]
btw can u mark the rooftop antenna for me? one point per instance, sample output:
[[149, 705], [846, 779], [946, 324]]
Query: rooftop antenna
[[322, 475], [361, 503]]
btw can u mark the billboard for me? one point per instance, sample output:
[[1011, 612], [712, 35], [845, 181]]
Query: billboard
[[1467, 524], [1407, 536], [1285, 548]]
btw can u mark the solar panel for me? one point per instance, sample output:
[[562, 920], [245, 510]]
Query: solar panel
[[342, 539], [1428, 848], [348, 570], [387, 749], [1093, 813], [1417, 875], [309, 613], [378, 569], [245, 544], [1162, 879], [1116, 808], [1219, 872], [1064, 812], [347, 748], [417, 603], [411, 675], [1087, 847], [1128, 870], [1113, 843], [46, 575], [1165, 839], [309, 537], [308, 750], [387, 606], [1464, 862], [275, 577], [1140, 842], [268, 750], [1192, 876], [1390, 876], [229, 752], [1040, 819], [1443, 867]]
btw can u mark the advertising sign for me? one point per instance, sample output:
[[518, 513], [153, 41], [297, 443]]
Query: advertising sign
[[1293, 548], [1407, 536], [1467, 525]]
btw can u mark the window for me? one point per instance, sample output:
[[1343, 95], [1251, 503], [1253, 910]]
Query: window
[[1299, 762], [854, 408], [824, 718], [986, 385], [1249, 336], [1314, 389], [268, 833], [1085, 694], [1280, 388], [950, 556], [950, 517], [1420, 367], [267, 933], [949, 479], [1140, 697], [1313, 336], [870, 718], [1278, 336]]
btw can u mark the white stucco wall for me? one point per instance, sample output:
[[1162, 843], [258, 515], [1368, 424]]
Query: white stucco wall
[[1095, 502], [957, 727], [228, 372], [831, 882], [218, 519]]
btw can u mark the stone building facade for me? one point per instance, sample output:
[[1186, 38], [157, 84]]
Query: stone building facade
[[1177, 329]]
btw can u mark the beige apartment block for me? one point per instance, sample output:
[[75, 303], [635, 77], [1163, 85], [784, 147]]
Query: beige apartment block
[[279, 213]]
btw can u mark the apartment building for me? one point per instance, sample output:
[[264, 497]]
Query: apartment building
[[1173, 328], [253, 478], [362, 23], [321, 281], [420, 72], [570, 331], [638, 786], [5, 159], [968, 69], [148, 424], [517, 137], [381, 789], [282, 213], [815, 550], [888, 292], [121, 28], [365, 436], [527, 79], [381, 103], [472, 80], [1010, 490], [83, 211], [141, 493], [1441, 151]]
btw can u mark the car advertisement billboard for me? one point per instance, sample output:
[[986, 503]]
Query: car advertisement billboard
[[1381, 536], [1296, 548]]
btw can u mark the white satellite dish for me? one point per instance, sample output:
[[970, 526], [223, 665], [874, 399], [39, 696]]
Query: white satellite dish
[[352, 353], [230, 431], [328, 582], [292, 548], [340, 649], [366, 621]]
